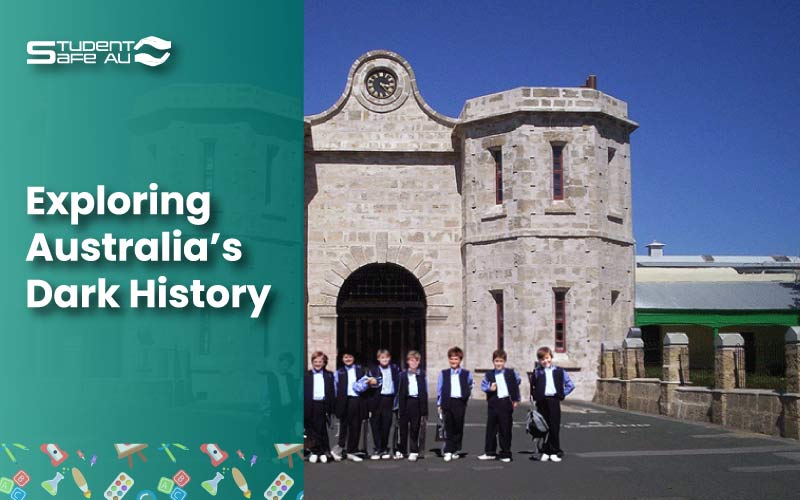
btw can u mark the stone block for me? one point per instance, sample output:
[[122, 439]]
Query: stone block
[[792, 335], [676, 339], [722, 340]]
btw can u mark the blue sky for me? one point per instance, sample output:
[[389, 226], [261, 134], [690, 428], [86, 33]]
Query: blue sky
[[715, 87]]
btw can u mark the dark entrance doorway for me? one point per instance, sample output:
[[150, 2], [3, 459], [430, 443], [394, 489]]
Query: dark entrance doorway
[[381, 306]]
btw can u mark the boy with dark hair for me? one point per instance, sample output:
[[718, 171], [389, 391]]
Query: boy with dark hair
[[453, 391], [501, 386], [550, 384], [350, 382], [412, 403], [382, 380], [320, 395]]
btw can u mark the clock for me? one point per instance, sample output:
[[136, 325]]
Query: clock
[[381, 83]]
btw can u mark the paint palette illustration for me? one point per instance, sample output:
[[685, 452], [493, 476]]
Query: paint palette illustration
[[119, 487], [279, 487]]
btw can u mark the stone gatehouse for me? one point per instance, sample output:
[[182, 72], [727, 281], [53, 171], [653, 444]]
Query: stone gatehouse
[[507, 226]]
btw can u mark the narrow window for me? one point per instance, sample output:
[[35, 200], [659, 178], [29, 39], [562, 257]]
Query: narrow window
[[497, 155], [558, 171], [561, 320], [498, 304]]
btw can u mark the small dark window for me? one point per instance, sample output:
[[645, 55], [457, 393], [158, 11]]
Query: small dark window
[[498, 301], [611, 153], [560, 320], [558, 171], [497, 156]]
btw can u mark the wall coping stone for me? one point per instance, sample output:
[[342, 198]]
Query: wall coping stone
[[793, 335], [633, 343], [609, 346], [676, 338], [722, 340], [634, 333]]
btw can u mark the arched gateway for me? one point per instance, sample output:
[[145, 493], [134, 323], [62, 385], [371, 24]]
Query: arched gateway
[[381, 306]]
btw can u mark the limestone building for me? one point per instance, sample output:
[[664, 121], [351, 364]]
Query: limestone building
[[509, 226]]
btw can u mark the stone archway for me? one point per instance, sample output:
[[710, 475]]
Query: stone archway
[[381, 306]]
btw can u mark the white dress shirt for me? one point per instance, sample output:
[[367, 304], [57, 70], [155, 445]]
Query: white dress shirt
[[351, 380], [500, 380], [455, 383], [413, 388], [387, 385], [549, 386], [319, 386]]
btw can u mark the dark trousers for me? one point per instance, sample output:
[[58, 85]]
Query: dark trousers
[[350, 425], [381, 422], [454, 425], [499, 420], [316, 425], [550, 408], [410, 420]]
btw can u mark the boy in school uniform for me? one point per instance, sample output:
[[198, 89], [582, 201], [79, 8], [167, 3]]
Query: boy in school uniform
[[319, 398], [501, 386], [550, 384], [453, 390], [382, 380], [412, 403], [350, 381]]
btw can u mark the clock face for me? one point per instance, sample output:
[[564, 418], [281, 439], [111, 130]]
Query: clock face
[[381, 84]]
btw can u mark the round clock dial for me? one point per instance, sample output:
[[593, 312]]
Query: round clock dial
[[381, 84]]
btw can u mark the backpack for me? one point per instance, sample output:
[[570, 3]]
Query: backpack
[[535, 424]]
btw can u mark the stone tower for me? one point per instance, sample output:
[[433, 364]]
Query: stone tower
[[510, 225], [548, 236]]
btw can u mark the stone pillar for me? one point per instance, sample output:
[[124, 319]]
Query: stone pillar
[[728, 363], [791, 400], [674, 369], [675, 356], [608, 360], [633, 355], [792, 339], [617, 355]]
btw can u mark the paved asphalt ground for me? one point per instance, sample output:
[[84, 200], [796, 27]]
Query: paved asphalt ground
[[609, 454]]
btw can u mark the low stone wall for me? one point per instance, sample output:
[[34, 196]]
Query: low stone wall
[[692, 403], [754, 410], [644, 395], [730, 403], [609, 391], [758, 410]]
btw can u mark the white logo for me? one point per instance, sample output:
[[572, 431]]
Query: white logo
[[97, 51], [156, 43]]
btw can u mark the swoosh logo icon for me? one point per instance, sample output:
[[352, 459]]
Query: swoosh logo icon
[[156, 43]]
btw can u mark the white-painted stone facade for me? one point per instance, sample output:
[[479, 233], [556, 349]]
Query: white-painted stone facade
[[389, 180]]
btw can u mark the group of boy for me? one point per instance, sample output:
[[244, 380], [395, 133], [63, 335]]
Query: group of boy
[[355, 394]]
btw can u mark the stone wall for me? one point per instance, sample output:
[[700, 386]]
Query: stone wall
[[730, 403]]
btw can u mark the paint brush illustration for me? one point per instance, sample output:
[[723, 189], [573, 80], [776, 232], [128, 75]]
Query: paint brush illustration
[[80, 482], [241, 482]]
